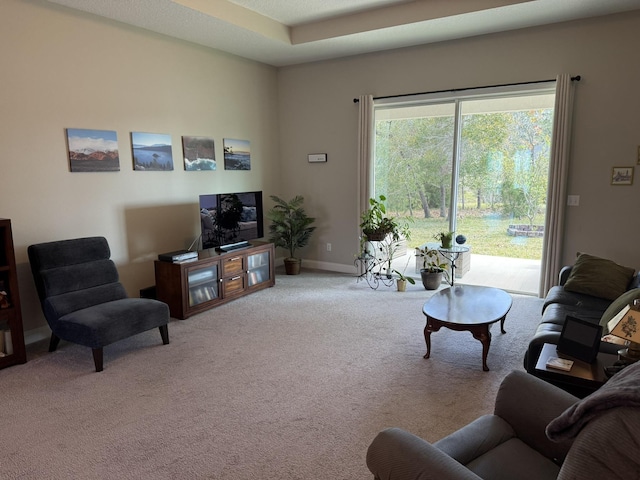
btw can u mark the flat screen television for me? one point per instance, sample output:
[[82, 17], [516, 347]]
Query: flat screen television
[[231, 220]]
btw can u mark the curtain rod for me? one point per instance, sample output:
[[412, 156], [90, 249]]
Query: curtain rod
[[357, 100]]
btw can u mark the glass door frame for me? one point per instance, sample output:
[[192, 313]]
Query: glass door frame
[[457, 98]]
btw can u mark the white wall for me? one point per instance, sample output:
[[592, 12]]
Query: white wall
[[63, 69], [317, 114]]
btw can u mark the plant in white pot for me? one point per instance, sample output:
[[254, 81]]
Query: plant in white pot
[[403, 279], [432, 269], [382, 235], [290, 228]]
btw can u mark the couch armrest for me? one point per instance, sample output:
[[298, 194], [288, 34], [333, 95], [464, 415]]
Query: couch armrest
[[564, 274], [528, 404], [476, 438], [399, 455]]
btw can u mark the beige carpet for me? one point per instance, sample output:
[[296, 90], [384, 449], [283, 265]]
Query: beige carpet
[[292, 382]]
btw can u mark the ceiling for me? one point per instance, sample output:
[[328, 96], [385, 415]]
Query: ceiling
[[287, 32]]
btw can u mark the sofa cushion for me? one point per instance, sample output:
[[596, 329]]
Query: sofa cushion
[[557, 313], [103, 324], [618, 304], [514, 459], [581, 301], [598, 277]]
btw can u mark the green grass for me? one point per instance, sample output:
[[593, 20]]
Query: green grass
[[486, 233]]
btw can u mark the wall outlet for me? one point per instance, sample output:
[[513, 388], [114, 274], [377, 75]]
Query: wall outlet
[[573, 200], [328, 247]]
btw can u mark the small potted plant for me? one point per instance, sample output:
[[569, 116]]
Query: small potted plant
[[402, 279], [290, 228], [445, 239], [432, 268]]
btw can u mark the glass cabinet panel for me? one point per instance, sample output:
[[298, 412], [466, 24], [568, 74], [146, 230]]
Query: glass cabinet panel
[[203, 284], [6, 343], [258, 268]]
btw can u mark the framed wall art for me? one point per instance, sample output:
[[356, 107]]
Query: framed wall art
[[237, 154], [199, 153], [622, 176], [93, 150], [151, 152]]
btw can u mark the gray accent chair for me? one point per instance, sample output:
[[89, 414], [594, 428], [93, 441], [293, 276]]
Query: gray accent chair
[[82, 299], [513, 443]]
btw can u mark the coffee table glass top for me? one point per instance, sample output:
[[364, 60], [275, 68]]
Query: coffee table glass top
[[468, 305]]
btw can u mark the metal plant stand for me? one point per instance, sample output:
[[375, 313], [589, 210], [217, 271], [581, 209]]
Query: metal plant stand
[[451, 254], [374, 263]]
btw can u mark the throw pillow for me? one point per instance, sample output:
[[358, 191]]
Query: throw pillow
[[618, 304], [598, 277]]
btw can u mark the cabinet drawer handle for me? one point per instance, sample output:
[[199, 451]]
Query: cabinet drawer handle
[[236, 278], [233, 259]]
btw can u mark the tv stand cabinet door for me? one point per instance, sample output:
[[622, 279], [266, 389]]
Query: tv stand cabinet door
[[201, 286], [260, 267]]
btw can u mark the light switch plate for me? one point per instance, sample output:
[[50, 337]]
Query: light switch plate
[[573, 200]]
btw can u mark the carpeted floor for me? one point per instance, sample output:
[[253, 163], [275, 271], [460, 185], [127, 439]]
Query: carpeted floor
[[292, 382]]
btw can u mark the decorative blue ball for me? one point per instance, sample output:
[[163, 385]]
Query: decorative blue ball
[[461, 239]]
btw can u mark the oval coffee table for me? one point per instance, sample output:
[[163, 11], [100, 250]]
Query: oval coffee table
[[467, 308]]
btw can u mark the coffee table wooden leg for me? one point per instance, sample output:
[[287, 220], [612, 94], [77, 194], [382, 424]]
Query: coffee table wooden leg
[[427, 340], [502, 324], [483, 334]]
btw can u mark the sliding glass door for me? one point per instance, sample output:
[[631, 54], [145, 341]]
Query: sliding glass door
[[475, 165]]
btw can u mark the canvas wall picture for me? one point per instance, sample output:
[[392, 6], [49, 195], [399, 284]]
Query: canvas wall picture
[[237, 154], [199, 153], [151, 151], [93, 150]]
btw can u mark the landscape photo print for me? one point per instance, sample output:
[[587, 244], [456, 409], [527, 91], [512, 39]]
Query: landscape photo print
[[151, 152], [92, 150], [237, 154]]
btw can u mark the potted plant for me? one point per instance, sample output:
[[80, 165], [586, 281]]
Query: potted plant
[[290, 228], [445, 239], [375, 224], [432, 269], [402, 279]]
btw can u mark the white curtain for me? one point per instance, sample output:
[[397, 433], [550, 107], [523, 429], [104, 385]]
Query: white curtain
[[365, 151], [557, 188]]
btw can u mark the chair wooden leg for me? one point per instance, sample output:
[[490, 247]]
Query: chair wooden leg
[[97, 358], [164, 333], [53, 343]]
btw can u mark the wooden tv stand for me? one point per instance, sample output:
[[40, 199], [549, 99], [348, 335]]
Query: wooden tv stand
[[214, 278]]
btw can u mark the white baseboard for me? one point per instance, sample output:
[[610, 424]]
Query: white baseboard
[[37, 334], [330, 267]]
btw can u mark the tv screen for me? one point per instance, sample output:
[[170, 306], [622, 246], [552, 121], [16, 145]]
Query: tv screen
[[230, 220]]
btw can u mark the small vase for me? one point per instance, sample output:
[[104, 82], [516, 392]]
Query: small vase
[[402, 285]]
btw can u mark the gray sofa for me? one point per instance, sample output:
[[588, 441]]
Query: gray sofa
[[591, 306], [596, 437]]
